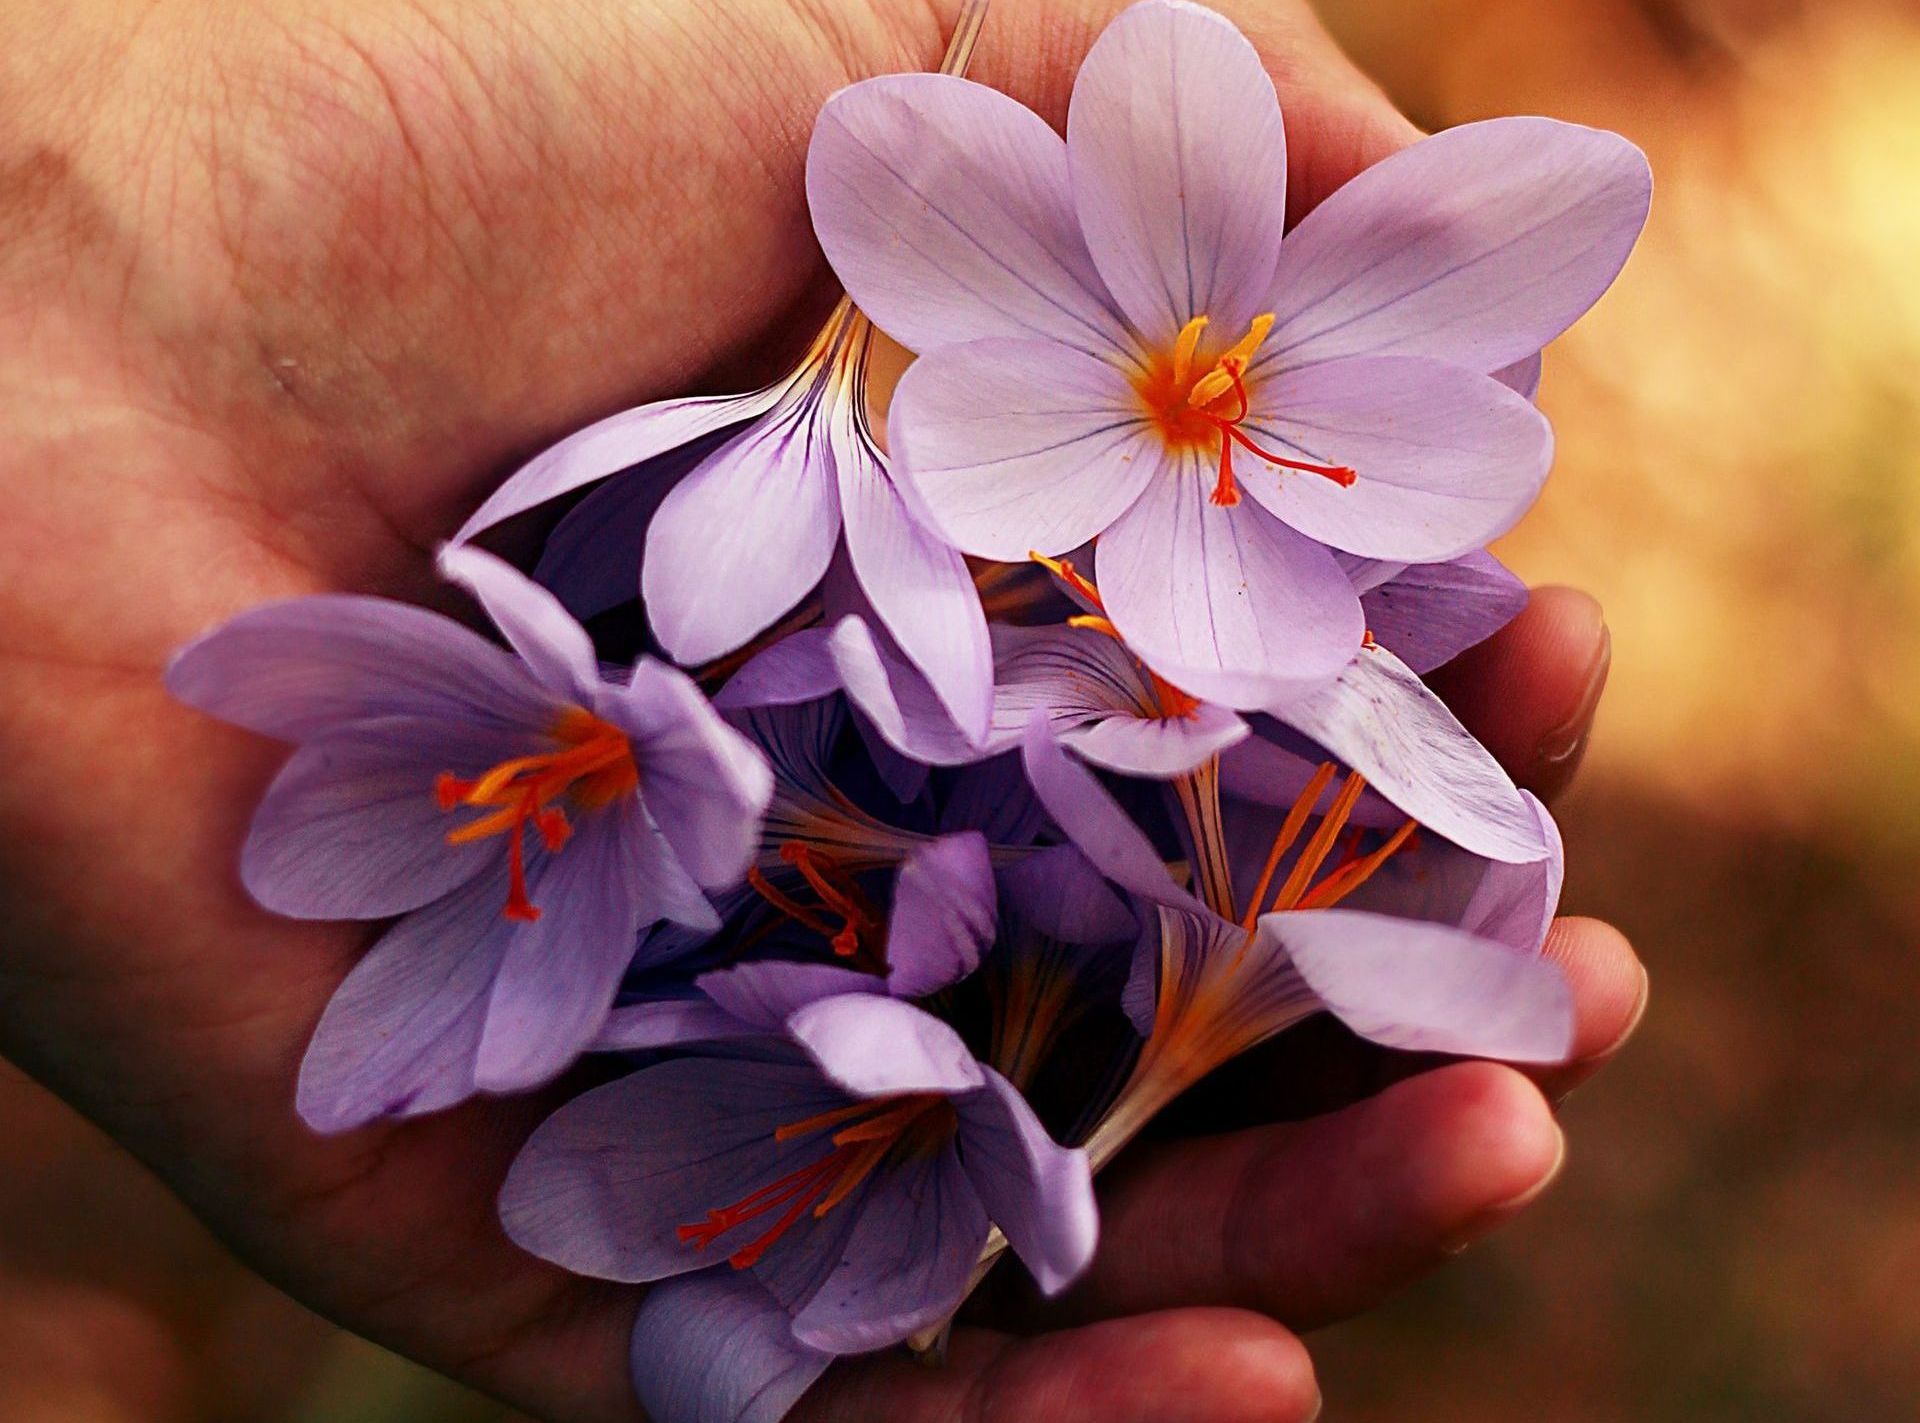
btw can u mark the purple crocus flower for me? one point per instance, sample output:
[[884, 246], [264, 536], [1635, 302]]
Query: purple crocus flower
[[1210, 985], [1427, 614], [856, 1177], [524, 817], [1115, 342]]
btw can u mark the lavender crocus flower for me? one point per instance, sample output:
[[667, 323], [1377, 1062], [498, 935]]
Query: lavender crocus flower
[[524, 817], [856, 1177], [1106, 324], [1427, 614]]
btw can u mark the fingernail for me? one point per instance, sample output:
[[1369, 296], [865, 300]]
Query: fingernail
[[1490, 1219], [1565, 742]]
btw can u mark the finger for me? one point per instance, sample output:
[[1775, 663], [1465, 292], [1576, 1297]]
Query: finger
[[1530, 691], [1313, 1221], [1337, 120], [1609, 998], [1182, 1366]]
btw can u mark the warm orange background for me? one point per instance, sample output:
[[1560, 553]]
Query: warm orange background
[[1737, 1236]]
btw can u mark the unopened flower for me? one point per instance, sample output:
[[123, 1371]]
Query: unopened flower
[[1115, 342], [524, 816]]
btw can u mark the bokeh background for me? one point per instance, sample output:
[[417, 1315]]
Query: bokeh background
[[1737, 1236]]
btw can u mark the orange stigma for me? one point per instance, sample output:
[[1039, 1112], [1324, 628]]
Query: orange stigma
[[1169, 701], [593, 767], [1194, 407], [1354, 869], [859, 921], [869, 1132]]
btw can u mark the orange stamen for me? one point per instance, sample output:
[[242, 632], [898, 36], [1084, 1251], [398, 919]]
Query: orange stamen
[[593, 768], [1314, 854], [1345, 880], [1062, 568], [1290, 829]]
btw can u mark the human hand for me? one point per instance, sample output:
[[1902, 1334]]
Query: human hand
[[283, 298]]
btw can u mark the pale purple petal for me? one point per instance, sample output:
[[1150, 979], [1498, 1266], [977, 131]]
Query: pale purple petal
[[557, 982], [1093, 820], [668, 1022], [1478, 246], [767, 993], [1227, 603], [398, 1037], [1160, 748], [906, 1261], [994, 798], [619, 442], [1380, 719], [351, 827], [798, 668], [663, 888], [544, 633], [743, 538], [1179, 167], [1522, 376], [919, 589], [604, 1183], [881, 1047], [943, 914], [1427, 614], [715, 1347], [1446, 459], [1057, 892], [705, 784], [945, 210], [1515, 904], [897, 701], [1038, 1192], [1429, 987], [1004, 447], [296, 669], [591, 560]]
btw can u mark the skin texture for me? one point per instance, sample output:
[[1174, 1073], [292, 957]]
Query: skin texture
[[283, 291]]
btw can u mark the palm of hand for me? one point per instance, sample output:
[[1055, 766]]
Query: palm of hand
[[278, 315]]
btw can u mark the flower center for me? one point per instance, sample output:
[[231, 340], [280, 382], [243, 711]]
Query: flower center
[[1353, 869], [1194, 405], [593, 767], [868, 1133], [844, 915]]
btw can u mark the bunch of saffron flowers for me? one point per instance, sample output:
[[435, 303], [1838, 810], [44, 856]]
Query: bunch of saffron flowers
[[961, 796]]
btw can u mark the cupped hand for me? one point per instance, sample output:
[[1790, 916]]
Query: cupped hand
[[283, 292]]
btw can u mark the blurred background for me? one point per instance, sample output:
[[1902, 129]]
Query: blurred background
[[1737, 1235]]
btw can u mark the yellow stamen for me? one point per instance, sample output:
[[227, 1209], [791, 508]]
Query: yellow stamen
[[1183, 348]]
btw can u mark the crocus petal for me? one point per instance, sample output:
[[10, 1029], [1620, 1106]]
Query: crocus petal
[[994, 798], [558, 978], [1227, 603], [944, 208], [1447, 459], [602, 1186], [1429, 987], [715, 1347], [943, 914], [662, 887], [296, 669], [906, 1261], [1038, 1192], [619, 442], [591, 560], [1100, 703], [1093, 820], [1427, 614], [351, 828], [705, 784], [1005, 447], [878, 1047], [1478, 245], [543, 632], [767, 993], [398, 1037], [896, 700], [741, 539], [1179, 167], [919, 588], [1515, 904], [1057, 892], [798, 668], [1522, 376], [669, 1022], [1383, 721]]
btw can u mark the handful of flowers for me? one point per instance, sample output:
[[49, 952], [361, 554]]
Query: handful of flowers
[[1025, 766]]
